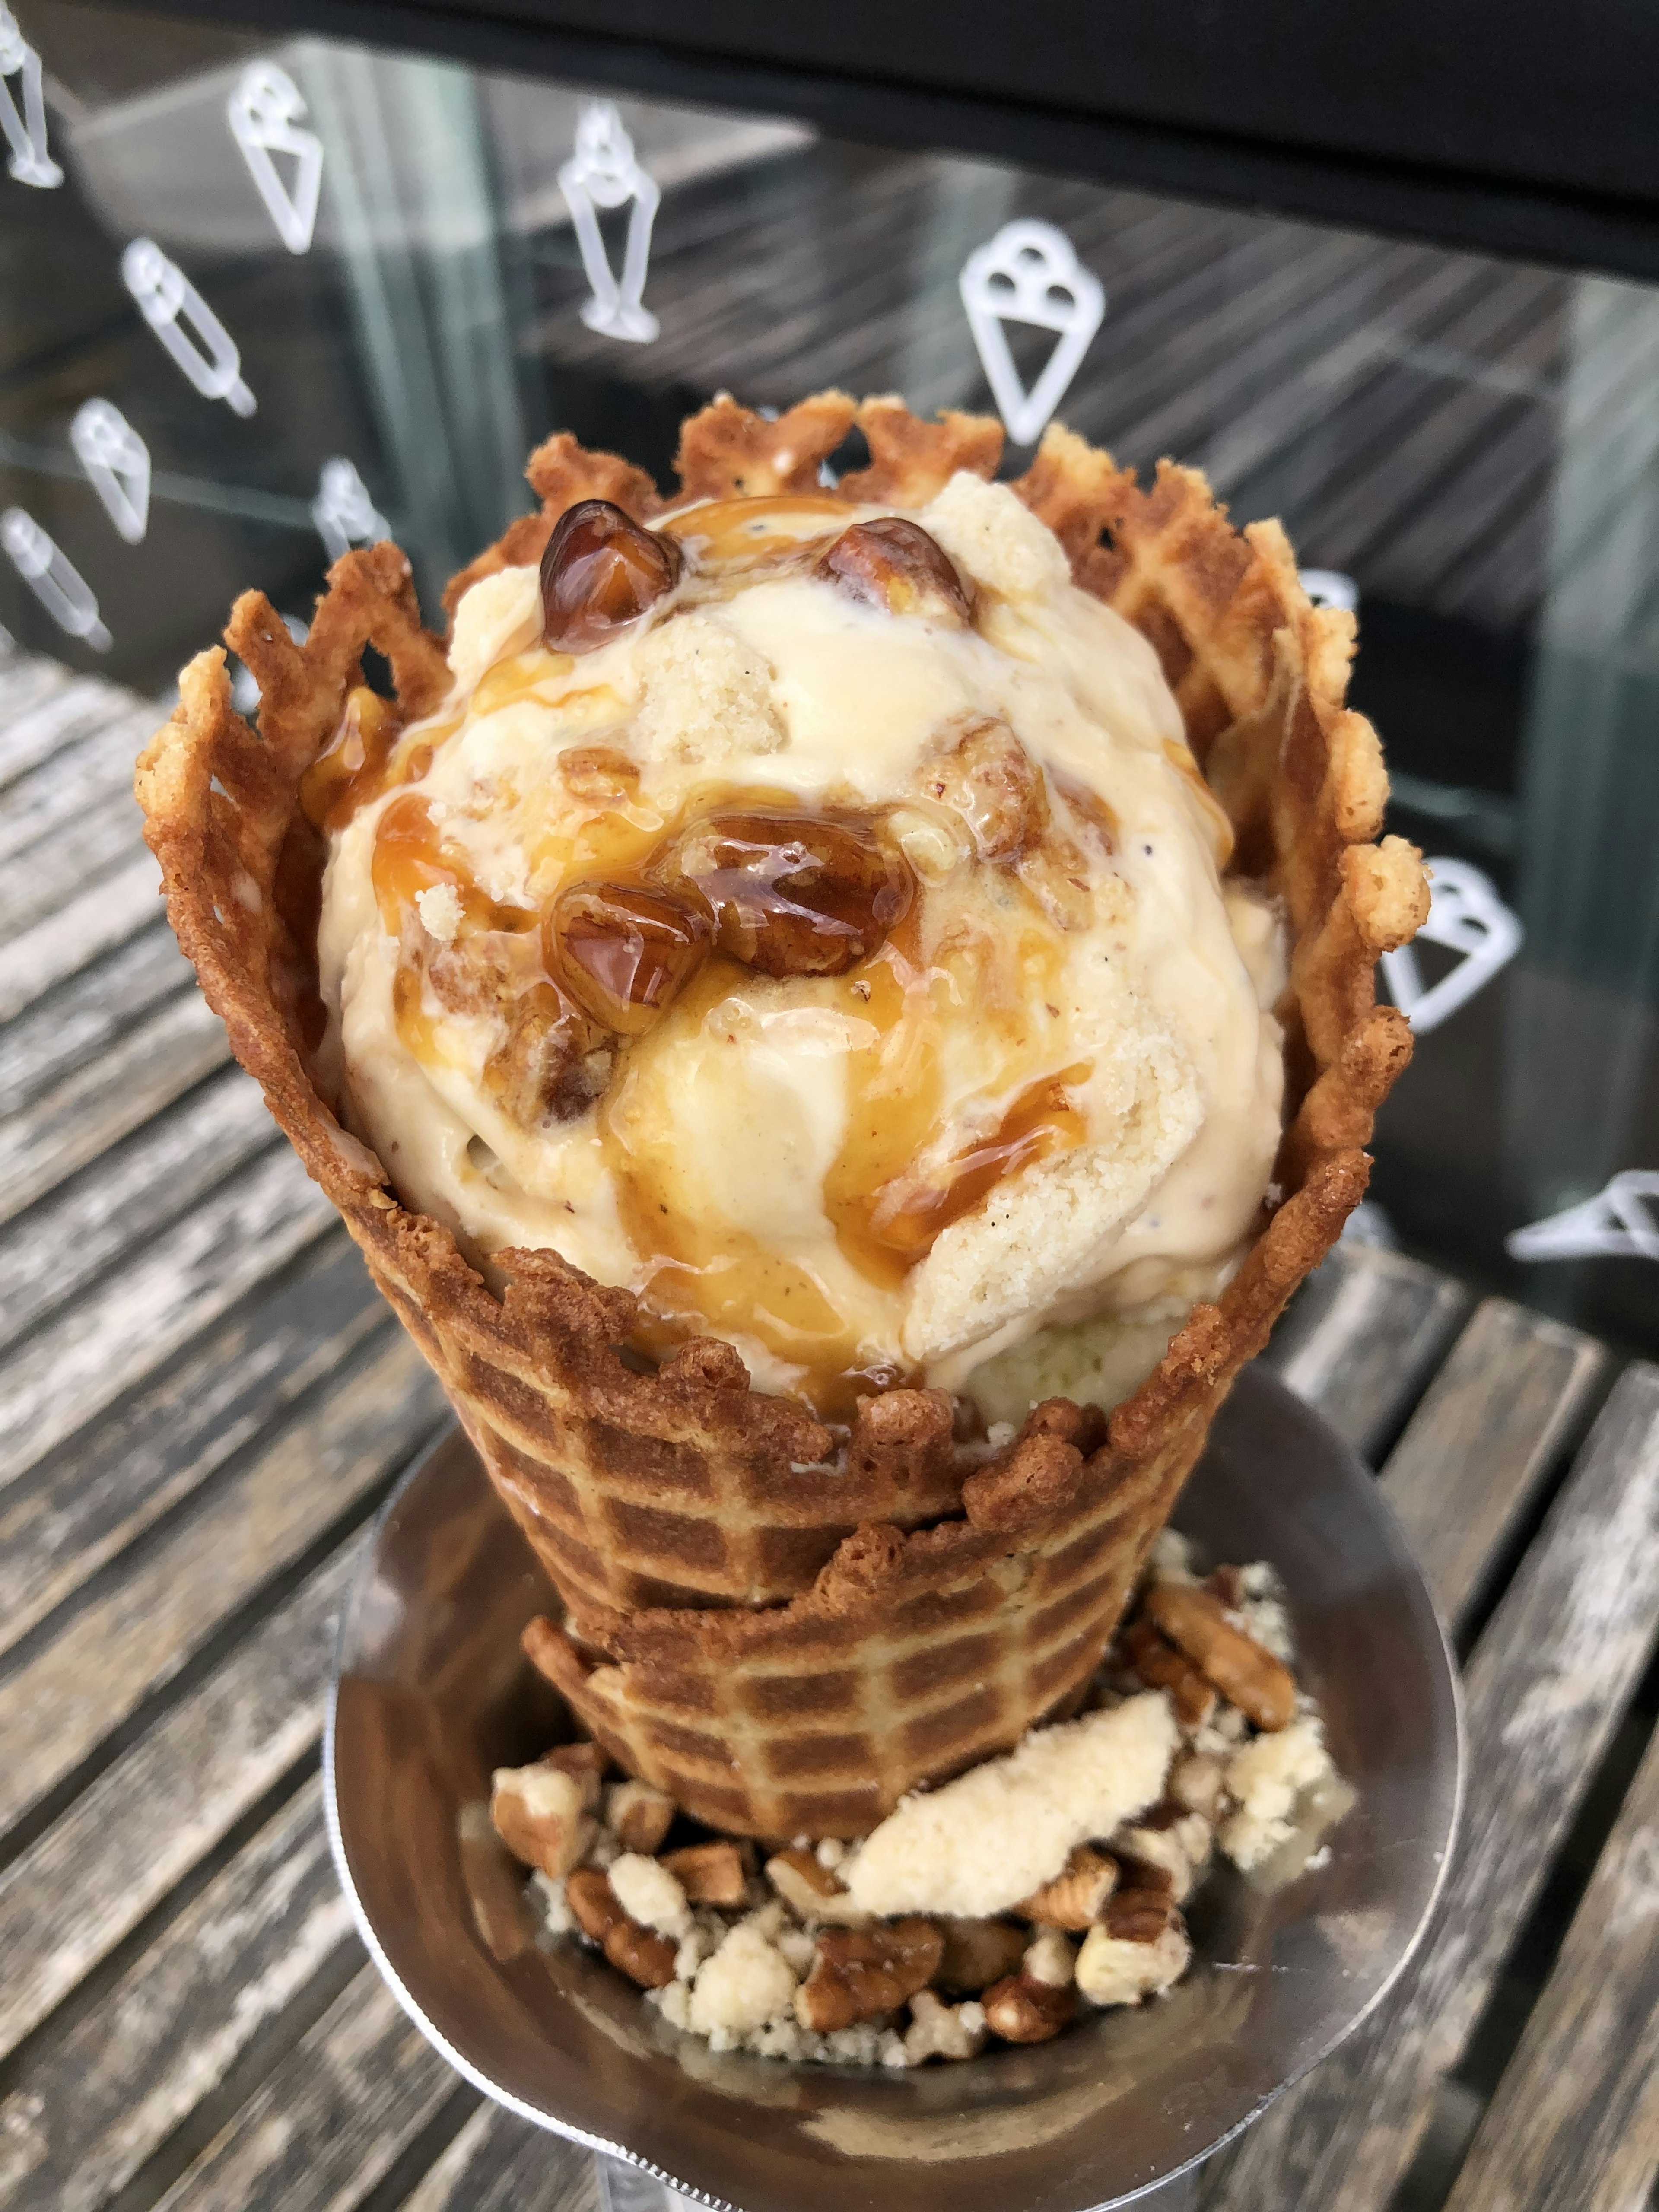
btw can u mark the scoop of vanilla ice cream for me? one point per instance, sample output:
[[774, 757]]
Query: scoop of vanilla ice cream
[[1053, 1090]]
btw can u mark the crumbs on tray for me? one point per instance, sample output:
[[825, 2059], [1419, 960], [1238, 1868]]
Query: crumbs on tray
[[994, 1906]]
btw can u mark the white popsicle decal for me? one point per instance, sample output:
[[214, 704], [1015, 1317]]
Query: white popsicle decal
[[345, 514], [266, 112], [53, 579], [169, 302], [1329, 588], [1466, 917], [604, 172], [1029, 273], [117, 463], [28, 162]]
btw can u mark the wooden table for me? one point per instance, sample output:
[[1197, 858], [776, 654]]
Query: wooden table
[[205, 1402]]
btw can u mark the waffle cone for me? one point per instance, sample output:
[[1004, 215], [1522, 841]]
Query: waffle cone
[[783, 1626]]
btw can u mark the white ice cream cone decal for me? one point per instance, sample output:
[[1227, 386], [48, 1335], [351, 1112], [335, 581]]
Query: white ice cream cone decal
[[266, 114], [174, 308], [117, 463], [1618, 1222], [53, 579], [1466, 917], [603, 173], [23, 111], [1030, 274], [345, 514]]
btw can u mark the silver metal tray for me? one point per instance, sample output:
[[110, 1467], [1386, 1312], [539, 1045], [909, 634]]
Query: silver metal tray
[[431, 1692]]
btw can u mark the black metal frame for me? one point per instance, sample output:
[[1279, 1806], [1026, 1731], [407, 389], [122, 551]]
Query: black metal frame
[[1519, 127]]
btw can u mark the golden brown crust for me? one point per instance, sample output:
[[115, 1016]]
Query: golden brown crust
[[783, 1633]]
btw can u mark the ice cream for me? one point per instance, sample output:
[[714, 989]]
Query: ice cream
[[818, 928]]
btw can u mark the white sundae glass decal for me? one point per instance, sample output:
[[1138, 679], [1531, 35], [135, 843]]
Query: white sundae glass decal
[[1029, 273], [1618, 1222], [343, 510], [117, 463], [1329, 588], [28, 162], [169, 301], [1466, 916], [46, 569], [603, 173], [266, 112]]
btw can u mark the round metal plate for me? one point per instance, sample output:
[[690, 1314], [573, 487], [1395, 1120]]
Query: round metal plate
[[432, 1691]]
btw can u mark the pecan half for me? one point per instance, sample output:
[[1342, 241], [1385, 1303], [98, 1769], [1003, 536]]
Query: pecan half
[[640, 1816], [644, 1957], [1153, 1660], [858, 1972], [710, 1874], [1243, 1670], [1077, 1896], [978, 1952]]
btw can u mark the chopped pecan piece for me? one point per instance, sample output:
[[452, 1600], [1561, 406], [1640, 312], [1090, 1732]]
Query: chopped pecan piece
[[1077, 1896], [978, 1952], [1153, 1660], [812, 1890], [585, 1763], [1024, 2011], [640, 1816], [1242, 1669], [540, 1815], [858, 1972], [644, 1957], [600, 572], [710, 1874], [1120, 1966]]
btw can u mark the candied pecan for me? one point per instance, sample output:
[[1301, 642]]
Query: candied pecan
[[600, 572], [625, 951], [586, 1762], [791, 893], [858, 1972], [895, 564], [1241, 1668]]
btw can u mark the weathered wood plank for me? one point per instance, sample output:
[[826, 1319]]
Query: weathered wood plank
[[62, 1037], [127, 1195], [104, 833], [81, 1362], [1486, 1433], [80, 2122], [158, 1810], [131, 1637], [500, 2163], [332, 2117], [1575, 2125], [1365, 1330], [61, 1524], [53, 708], [101, 918], [41, 812], [1550, 1676], [27, 680], [108, 1097]]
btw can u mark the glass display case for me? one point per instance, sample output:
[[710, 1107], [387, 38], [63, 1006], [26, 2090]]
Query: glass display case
[[268, 296]]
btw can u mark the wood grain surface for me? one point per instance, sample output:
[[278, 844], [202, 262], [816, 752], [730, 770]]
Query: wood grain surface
[[1543, 1691], [1361, 1337]]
